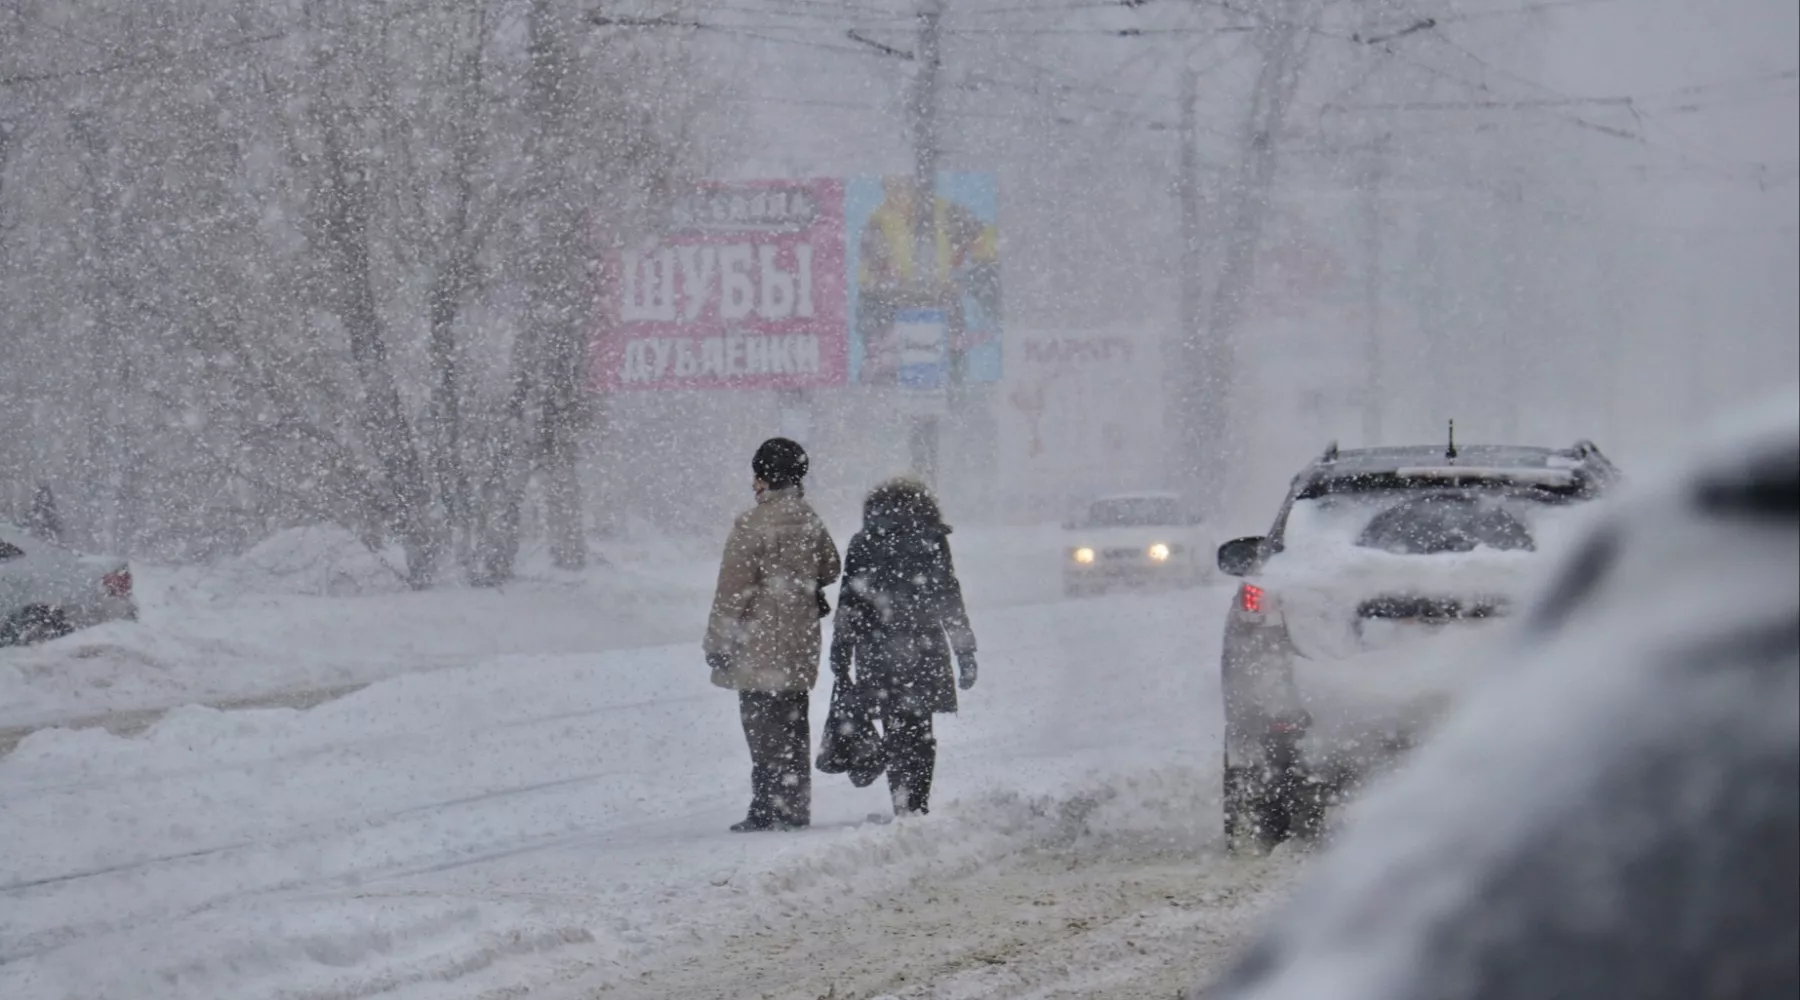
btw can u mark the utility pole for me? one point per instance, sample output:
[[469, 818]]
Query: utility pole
[[1373, 391], [1186, 376], [1193, 291], [926, 445]]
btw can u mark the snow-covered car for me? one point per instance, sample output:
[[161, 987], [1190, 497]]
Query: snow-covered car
[[1133, 539], [48, 591], [1615, 810], [1346, 637]]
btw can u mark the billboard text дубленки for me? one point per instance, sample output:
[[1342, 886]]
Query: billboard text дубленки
[[804, 284], [743, 290]]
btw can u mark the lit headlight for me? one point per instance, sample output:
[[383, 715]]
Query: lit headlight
[[1084, 556], [1159, 552]]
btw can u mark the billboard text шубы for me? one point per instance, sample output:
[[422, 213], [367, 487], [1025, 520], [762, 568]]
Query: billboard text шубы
[[807, 283]]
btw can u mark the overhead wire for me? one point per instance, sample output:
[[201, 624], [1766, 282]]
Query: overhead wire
[[762, 36], [1688, 152], [879, 17]]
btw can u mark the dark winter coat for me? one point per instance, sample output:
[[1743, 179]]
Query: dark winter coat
[[900, 613]]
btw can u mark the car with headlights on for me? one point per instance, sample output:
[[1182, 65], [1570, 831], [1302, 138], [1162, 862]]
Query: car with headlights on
[[1359, 610], [48, 591], [1133, 540]]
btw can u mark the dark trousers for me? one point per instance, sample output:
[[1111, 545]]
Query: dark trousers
[[911, 758], [780, 738]]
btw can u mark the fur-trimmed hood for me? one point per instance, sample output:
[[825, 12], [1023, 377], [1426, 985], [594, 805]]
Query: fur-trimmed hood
[[904, 500]]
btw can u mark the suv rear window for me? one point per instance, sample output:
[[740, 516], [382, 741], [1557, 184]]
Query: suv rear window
[[1429, 522], [1445, 522], [1545, 484]]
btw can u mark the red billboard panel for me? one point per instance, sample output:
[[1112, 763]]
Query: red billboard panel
[[743, 290]]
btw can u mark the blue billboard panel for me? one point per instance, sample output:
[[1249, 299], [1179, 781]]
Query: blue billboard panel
[[886, 284]]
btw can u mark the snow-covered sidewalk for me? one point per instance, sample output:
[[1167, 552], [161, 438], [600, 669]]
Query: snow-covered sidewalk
[[555, 821], [311, 612]]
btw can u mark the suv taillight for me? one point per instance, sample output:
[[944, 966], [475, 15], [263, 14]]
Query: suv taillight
[[117, 584], [1257, 606]]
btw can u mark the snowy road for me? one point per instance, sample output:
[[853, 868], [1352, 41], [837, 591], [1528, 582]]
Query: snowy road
[[555, 823]]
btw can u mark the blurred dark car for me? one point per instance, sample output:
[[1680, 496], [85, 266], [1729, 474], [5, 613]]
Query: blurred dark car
[[1615, 811]]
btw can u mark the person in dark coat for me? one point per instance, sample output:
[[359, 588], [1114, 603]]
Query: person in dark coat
[[900, 617]]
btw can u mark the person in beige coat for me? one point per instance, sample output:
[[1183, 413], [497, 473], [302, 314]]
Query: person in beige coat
[[763, 637]]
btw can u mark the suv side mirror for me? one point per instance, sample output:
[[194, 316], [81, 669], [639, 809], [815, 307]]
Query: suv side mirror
[[1240, 556]]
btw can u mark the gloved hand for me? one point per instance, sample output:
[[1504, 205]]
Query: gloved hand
[[719, 662], [965, 671]]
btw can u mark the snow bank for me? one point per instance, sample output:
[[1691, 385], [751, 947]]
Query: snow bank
[[112, 668], [317, 560], [312, 609]]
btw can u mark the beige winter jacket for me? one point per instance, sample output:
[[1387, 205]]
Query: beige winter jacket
[[765, 614]]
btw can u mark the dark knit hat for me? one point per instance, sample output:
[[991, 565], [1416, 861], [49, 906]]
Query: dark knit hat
[[780, 462]]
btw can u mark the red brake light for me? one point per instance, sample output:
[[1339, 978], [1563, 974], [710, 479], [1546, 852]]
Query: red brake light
[[117, 584], [1252, 598]]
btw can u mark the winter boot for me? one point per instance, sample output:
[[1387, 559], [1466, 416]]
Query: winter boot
[[920, 783], [909, 778]]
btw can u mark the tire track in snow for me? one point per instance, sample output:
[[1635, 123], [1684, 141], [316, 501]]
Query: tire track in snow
[[1072, 923]]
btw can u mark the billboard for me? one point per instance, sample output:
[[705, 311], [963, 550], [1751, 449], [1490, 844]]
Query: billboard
[[742, 290], [885, 284], [805, 284]]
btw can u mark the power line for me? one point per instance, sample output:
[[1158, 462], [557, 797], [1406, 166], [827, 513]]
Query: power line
[[633, 24], [1522, 9], [805, 102], [1691, 155], [1108, 32], [1487, 105], [1057, 8], [844, 5], [1701, 88], [1481, 87], [836, 17], [778, 40]]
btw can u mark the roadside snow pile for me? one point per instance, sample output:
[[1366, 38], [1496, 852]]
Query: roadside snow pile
[[312, 610], [317, 560], [100, 670]]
